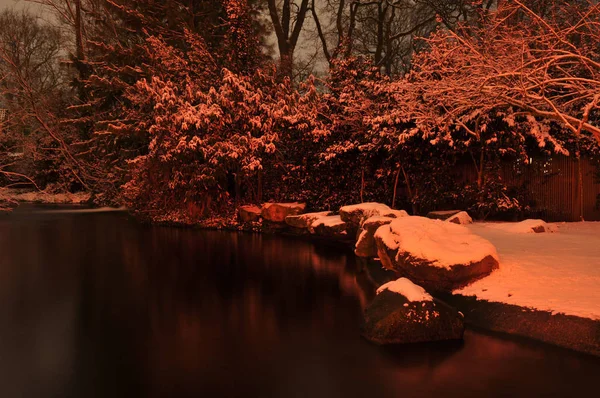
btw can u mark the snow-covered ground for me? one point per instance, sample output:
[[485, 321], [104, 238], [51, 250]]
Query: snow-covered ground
[[558, 272], [43, 197]]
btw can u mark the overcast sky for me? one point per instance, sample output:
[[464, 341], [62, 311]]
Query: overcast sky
[[10, 3]]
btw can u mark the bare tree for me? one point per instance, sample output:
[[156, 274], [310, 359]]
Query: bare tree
[[76, 16], [287, 17], [32, 87], [547, 68], [385, 30]]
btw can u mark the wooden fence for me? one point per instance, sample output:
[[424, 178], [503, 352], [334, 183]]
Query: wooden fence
[[552, 185]]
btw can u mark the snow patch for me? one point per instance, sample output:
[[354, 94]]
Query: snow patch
[[524, 227], [375, 219], [396, 213], [407, 289], [368, 209], [290, 205], [328, 221], [558, 272], [83, 211]]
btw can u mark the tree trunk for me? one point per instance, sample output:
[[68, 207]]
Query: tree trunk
[[362, 185], [395, 189], [580, 185], [80, 51], [415, 208], [260, 187], [286, 64]]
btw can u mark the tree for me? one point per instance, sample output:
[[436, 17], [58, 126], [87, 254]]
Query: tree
[[287, 25], [386, 31], [545, 67], [210, 131], [75, 16], [33, 88], [520, 73]]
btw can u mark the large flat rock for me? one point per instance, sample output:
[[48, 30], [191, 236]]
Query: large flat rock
[[277, 212], [249, 213], [354, 215], [304, 221], [329, 226], [437, 255]]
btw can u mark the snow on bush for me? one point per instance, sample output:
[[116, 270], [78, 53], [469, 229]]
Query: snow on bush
[[406, 288]]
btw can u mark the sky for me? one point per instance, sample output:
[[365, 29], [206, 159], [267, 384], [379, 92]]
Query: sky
[[305, 49], [18, 3]]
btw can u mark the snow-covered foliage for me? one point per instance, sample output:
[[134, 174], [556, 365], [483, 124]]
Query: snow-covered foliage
[[471, 80], [179, 110], [200, 135]]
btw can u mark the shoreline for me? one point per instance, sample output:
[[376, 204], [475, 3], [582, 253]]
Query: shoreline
[[570, 332]]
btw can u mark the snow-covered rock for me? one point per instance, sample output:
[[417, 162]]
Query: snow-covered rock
[[403, 312], [438, 255], [442, 214], [354, 215], [406, 288], [365, 242], [277, 212], [462, 218], [304, 221], [524, 227], [330, 226], [395, 213], [249, 213]]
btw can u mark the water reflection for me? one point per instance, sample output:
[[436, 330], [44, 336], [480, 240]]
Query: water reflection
[[97, 305]]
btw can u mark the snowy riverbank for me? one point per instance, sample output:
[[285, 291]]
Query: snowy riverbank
[[8, 195], [556, 272]]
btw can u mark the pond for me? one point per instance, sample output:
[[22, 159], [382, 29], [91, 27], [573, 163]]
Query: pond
[[98, 305]]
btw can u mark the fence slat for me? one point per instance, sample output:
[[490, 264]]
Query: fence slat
[[553, 185]]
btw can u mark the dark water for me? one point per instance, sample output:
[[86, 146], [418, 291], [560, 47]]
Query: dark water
[[95, 305]]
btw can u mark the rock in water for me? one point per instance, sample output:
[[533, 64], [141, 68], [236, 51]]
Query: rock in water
[[249, 213], [354, 215], [403, 313], [462, 218], [304, 221], [437, 255], [330, 226], [277, 212], [365, 242]]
